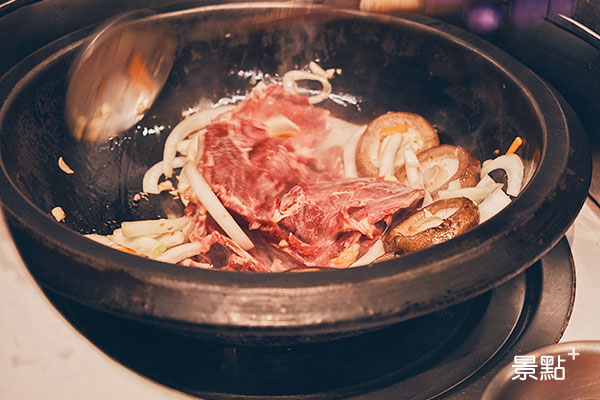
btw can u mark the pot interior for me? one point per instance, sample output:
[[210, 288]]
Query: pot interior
[[387, 65]]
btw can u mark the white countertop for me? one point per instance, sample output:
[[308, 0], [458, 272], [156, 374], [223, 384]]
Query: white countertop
[[584, 238], [43, 357]]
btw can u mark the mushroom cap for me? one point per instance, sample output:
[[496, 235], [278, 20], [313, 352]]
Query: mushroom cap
[[407, 236], [418, 133]]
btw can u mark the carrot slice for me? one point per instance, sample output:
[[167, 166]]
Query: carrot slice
[[403, 128], [515, 145]]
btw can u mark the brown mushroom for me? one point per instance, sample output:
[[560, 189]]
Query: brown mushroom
[[418, 133], [436, 223], [444, 164]]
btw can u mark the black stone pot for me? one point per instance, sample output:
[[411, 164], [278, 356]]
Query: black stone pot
[[473, 93]]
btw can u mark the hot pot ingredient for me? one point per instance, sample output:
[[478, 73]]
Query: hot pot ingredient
[[493, 204], [59, 214], [64, 167], [379, 149], [512, 166], [436, 223], [305, 211], [263, 195], [274, 184], [443, 164]]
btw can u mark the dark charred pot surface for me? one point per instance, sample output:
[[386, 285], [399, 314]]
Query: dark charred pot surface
[[419, 358], [475, 96]]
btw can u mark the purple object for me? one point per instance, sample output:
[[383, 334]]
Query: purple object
[[483, 17]]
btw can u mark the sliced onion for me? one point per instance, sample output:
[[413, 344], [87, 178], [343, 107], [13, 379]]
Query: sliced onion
[[196, 147], [181, 252], [152, 227], [475, 194], [430, 221], [102, 240], [191, 148], [144, 245], [512, 165], [183, 185], [486, 180], [393, 143], [182, 146], [412, 165], [371, 255], [215, 208], [317, 70], [191, 124], [493, 204], [187, 230], [290, 84], [171, 239], [455, 184], [427, 199], [153, 174]]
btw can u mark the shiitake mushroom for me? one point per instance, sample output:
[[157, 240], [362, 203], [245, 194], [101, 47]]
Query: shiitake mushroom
[[418, 134], [444, 164], [436, 223]]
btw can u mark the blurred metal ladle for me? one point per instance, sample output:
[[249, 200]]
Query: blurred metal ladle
[[118, 75], [121, 71]]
